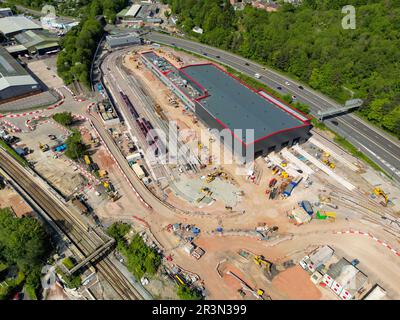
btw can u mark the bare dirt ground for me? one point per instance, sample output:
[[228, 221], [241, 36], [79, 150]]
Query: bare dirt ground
[[295, 284], [11, 199], [56, 293]]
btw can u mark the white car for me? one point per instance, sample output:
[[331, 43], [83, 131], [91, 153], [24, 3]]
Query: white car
[[287, 83], [257, 75]]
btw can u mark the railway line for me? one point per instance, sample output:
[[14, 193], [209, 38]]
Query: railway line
[[85, 238]]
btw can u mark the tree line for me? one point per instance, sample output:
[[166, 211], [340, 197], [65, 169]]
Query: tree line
[[308, 42], [24, 248], [80, 43]]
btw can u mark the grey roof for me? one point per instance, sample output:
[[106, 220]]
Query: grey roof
[[36, 38], [321, 255], [14, 24], [12, 73], [16, 48], [239, 107], [123, 39]]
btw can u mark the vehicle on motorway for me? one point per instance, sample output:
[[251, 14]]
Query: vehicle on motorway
[[279, 88], [205, 53], [173, 44], [218, 57], [335, 122], [301, 87], [287, 83], [257, 75], [294, 98], [247, 64]]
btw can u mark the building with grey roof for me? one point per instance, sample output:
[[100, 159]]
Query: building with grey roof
[[15, 81], [5, 12], [129, 13], [38, 41], [257, 122], [10, 26], [121, 40], [348, 279]]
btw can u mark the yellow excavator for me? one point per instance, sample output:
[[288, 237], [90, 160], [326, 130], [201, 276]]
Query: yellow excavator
[[379, 192], [326, 160], [262, 262], [211, 177]]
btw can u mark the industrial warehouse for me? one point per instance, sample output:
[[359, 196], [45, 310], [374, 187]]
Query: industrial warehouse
[[258, 121], [15, 81]]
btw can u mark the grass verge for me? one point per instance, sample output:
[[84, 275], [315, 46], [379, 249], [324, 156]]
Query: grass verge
[[12, 152]]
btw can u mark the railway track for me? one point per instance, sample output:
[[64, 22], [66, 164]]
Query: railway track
[[85, 240]]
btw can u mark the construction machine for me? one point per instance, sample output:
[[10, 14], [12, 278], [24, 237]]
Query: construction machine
[[326, 160], [211, 177], [43, 147], [329, 163], [380, 193], [262, 262], [206, 191]]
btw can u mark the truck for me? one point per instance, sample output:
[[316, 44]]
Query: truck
[[306, 205], [61, 148], [289, 189], [138, 170]]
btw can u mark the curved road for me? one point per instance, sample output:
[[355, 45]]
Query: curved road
[[379, 146]]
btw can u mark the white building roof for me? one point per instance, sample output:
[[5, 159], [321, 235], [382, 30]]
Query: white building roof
[[133, 11], [12, 73], [377, 293], [13, 24], [17, 81]]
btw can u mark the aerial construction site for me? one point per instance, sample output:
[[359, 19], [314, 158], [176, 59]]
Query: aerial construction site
[[231, 187]]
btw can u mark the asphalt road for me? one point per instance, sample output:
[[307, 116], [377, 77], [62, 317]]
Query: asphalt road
[[377, 145]]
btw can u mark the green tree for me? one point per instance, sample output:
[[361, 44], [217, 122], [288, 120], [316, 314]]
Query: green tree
[[75, 147], [118, 230], [64, 118], [186, 293], [141, 259]]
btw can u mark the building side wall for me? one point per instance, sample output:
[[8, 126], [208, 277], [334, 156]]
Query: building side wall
[[281, 140], [13, 93]]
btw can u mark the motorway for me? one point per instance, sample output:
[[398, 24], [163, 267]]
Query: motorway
[[85, 238], [377, 145]]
